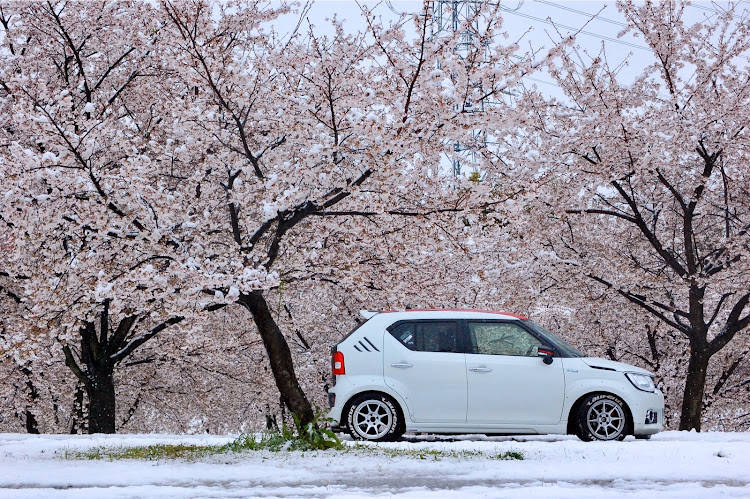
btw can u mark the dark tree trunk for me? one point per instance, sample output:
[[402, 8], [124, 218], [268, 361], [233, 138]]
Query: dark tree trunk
[[279, 355], [695, 384], [97, 380], [101, 395], [32, 426], [78, 424], [96, 359], [96, 373]]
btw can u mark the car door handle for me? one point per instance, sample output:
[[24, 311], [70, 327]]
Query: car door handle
[[402, 365], [480, 369]]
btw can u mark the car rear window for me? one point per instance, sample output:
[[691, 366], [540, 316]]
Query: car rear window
[[428, 336]]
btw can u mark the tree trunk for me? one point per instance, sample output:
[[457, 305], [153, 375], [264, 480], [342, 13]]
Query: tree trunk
[[32, 426], [97, 377], [78, 423], [101, 394], [695, 384], [279, 355], [98, 355]]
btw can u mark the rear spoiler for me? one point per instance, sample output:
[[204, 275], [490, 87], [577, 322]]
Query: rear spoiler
[[368, 314]]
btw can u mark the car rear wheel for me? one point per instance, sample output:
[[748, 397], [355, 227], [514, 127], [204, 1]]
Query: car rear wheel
[[602, 417], [374, 417]]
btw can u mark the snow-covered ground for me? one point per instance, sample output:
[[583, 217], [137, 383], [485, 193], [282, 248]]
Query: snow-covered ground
[[672, 464]]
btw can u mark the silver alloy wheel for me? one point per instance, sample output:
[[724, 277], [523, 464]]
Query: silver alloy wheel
[[372, 419], [606, 419]]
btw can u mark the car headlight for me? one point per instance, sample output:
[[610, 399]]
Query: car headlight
[[642, 381]]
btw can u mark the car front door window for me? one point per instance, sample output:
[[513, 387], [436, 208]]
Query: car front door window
[[502, 339]]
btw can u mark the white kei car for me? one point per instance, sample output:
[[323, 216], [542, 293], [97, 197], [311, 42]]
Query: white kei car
[[471, 371]]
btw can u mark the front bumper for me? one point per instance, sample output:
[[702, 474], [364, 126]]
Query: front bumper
[[648, 413]]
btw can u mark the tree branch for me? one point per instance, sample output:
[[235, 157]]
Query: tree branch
[[668, 258], [70, 361], [136, 342], [123, 328], [605, 212], [733, 325], [651, 308]]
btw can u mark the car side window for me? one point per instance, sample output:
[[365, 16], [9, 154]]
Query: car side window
[[428, 336], [502, 338]]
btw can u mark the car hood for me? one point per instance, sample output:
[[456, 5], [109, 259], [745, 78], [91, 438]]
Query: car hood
[[612, 365]]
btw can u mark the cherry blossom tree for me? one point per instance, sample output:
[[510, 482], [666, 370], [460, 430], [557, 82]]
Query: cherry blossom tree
[[92, 191], [62, 203], [648, 181], [301, 137]]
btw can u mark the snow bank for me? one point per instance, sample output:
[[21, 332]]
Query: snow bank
[[672, 464]]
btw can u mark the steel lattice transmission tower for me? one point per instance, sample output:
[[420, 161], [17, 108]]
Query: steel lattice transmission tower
[[461, 17], [452, 16]]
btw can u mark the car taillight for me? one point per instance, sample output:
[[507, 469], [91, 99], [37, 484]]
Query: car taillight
[[338, 364]]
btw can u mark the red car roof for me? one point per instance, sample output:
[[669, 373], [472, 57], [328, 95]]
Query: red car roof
[[456, 310]]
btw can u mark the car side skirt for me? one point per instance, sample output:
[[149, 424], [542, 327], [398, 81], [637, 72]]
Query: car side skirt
[[557, 429]]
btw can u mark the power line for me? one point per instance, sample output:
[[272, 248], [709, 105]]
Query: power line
[[515, 11], [589, 33], [539, 80], [721, 11], [518, 6], [597, 35], [583, 13], [707, 9]]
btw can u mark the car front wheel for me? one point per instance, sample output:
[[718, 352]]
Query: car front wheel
[[375, 418], [601, 417]]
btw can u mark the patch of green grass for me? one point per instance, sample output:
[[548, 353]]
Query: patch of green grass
[[148, 453], [310, 437], [435, 454], [511, 455], [277, 442], [273, 442]]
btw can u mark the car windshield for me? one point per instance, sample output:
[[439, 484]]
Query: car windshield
[[562, 346]]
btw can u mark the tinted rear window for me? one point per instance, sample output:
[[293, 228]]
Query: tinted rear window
[[428, 336]]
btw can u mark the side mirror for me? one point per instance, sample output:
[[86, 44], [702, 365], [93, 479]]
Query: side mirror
[[546, 354]]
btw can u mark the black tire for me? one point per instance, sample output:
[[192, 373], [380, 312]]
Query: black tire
[[375, 418], [602, 417], [401, 428]]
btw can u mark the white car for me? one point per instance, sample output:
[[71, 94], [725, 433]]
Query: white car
[[471, 371]]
